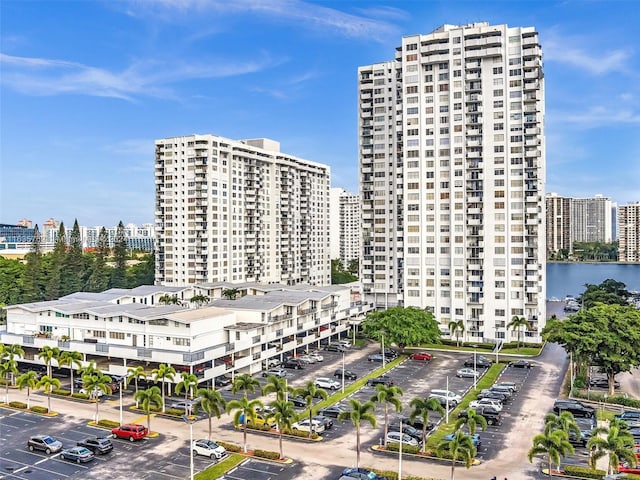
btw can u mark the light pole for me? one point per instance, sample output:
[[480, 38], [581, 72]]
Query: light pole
[[120, 385], [400, 452], [383, 359], [343, 371], [446, 419], [186, 419], [475, 371]]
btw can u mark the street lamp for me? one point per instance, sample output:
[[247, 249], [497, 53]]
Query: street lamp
[[475, 371], [186, 419], [120, 386], [400, 451], [343, 371]]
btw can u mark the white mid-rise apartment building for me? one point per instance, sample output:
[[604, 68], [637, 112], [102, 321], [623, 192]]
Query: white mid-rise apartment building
[[452, 173], [346, 231], [239, 211], [629, 236], [591, 219]]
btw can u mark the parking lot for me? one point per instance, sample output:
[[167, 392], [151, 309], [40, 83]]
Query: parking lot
[[253, 469]]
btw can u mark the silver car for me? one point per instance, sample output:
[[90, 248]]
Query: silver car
[[44, 443]]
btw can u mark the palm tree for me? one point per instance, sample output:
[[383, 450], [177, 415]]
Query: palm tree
[[47, 354], [70, 359], [199, 300], [94, 384], [189, 380], [167, 299], [89, 369], [284, 415], [516, 324], [48, 384], [422, 409], [245, 383], [457, 327], [460, 447], [309, 392], [245, 410], [358, 413], [230, 293], [148, 398], [7, 368], [11, 351], [472, 420], [554, 444], [163, 373], [277, 385], [618, 444], [564, 422], [387, 396], [211, 403], [29, 380], [135, 374]]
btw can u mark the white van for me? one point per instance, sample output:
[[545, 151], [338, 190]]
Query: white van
[[446, 395]]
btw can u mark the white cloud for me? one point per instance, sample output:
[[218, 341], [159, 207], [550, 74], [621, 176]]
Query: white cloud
[[599, 116]]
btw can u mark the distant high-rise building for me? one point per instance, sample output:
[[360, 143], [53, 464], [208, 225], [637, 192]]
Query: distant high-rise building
[[558, 223], [629, 228], [591, 219], [25, 222], [452, 173], [239, 211], [614, 221], [345, 226]]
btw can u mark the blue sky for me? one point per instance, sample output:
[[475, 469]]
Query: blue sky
[[87, 86]]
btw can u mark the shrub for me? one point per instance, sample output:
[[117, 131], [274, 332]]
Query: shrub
[[262, 428], [38, 409], [108, 423], [61, 391], [18, 405], [583, 472], [81, 396], [176, 412], [395, 447], [616, 399], [580, 381], [230, 447], [393, 475], [266, 454], [298, 433]]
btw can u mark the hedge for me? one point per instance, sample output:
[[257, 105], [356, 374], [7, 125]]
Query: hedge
[[584, 472], [230, 447], [266, 454], [81, 396], [298, 433], [18, 405], [108, 423], [395, 447], [176, 412], [616, 399], [61, 391], [393, 475], [38, 409]]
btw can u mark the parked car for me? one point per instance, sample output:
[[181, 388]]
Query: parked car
[[491, 395], [332, 411], [298, 401], [416, 423], [630, 417], [326, 421], [406, 429], [277, 372], [335, 347], [95, 393], [490, 414], [480, 362], [381, 380], [487, 402], [360, 474], [294, 363], [424, 356], [77, 454], [344, 343], [375, 357], [603, 383], [327, 383], [182, 404], [259, 420], [130, 431], [208, 448], [307, 359], [477, 442], [520, 364], [266, 410], [305, 426], [44, 443], [316, 356], [578, 409], [502, 389], [627, 468], [396, 437], [96, 444], [467, 373], [389, 353], [222, 381], [510, 385], [445, 396], [578, 440], [348, 374]]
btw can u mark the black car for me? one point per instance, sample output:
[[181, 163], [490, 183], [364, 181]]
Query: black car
[[493, 395], [520, 364], [382, 380], [416, 423], [294, 363], [326, 421], [491, 415], [222, 381], [630, 417], [335, 347], [481, 362], [410, 430], [603, 383], [298, 402], [578, 440], [389, 353], [578, 409], [96, 444], [332, 411], [348, 374]]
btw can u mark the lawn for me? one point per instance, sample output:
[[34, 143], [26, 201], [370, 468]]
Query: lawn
[[524, 351], [219, 469]]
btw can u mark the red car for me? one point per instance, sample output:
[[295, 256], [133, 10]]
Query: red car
[[626, 468], [132, 431], [424, 356]]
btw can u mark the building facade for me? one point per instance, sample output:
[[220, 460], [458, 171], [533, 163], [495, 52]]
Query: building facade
[[239, 211], [591, 219], [629, 232], [558, 224], [346, 228], [452, 172]]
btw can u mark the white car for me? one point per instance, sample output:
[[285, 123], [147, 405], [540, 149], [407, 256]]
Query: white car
[[344, 343], [327, 383], [303, 426], [487, 402], [467, 373], [95, 393], [395, 437], [208, 448], [317, 356], [307, 359]]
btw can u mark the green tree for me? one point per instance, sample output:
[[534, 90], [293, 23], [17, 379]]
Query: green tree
[[516, 325], [460, 448], [69, 359], [188, 382], [610, 292], [284, 416], [199, 300], [11, 351], [230, 293], [402, 326], [53, 289], [73, 273], [167, 299], [354, 267], [118, 275], [163, 373], [12, 273], [27, 380], [457, 327], [94, 384], [472, 420], [48, 385], [148, 399], [135, 374], [387, 395], [422, 409], [310, 392], [564, 422], [617, 445], [553, 445], [277, 385], [358, 413], [244, 383], [32, 280], [211, 403], [47, 354], [245, 410], [8, 369], [99, 276]]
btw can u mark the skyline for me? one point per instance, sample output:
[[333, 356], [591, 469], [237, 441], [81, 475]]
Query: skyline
[[285, 70]]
